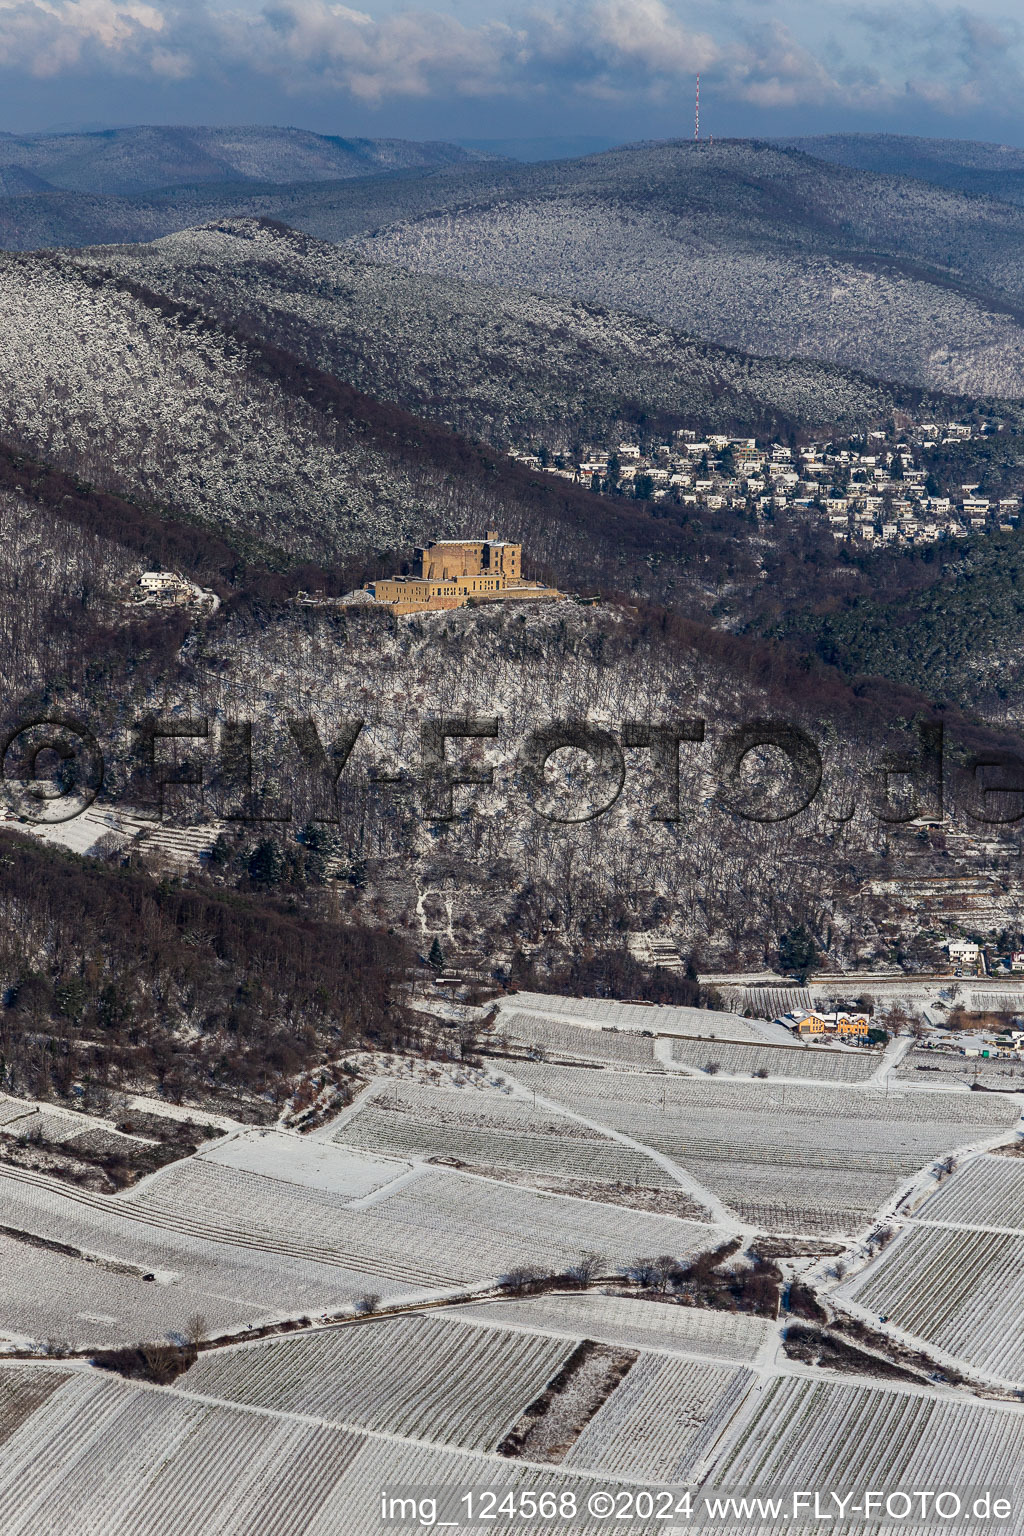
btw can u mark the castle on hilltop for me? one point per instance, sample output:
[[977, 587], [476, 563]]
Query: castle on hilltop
[[453, 572]]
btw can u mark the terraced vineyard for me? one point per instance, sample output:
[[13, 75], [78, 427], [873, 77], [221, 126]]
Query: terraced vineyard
[[987, 1192], [701, 1023], [814, 1158], [661, 1419], [12, 1110], [955, 1289], [625, 1320], [520, 1028], [101, 1455], [208, 1231], [489, 1131], [804, 1062], [431, 1378], [773, 1002], [824, 1434]]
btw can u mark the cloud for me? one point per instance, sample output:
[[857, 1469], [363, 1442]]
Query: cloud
[[770, 68], [49, 38], [613, 46], [950, 57], [408, 54]]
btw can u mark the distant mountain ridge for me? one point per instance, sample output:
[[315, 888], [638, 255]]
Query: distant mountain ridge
[[740, 244], [127, 162]]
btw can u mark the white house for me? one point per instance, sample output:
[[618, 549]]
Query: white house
[[962, 952]]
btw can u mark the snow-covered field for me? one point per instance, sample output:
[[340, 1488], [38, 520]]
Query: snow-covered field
[[239, 1245], [249, 1209], [522, 1028], [806, 1062], [986, 1192], [229, 1275], [315, 1165], [483, 1228], [828, 1434], [659, 1018], [104, 1457], [928, 1066], [793, 1157], [491, 1131]]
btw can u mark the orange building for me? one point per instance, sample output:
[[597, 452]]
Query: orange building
[[851, 1025], [490, 557], [453, 572]]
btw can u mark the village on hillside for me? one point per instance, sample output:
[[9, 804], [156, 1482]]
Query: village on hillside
[[873, 488]]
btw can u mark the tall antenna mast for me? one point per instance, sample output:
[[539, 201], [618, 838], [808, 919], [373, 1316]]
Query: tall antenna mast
[[696, 112]]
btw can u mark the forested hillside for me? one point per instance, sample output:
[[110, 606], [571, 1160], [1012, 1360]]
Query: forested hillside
[[498, 364], [765, 249], [192, 419], [977, 169], [109, 971], [195, 431], [957, 638], [739, 243]]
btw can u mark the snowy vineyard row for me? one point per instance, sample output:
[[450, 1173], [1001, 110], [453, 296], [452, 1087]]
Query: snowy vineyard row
[[628, 1321], [101, 1455], [532, 1030], [818, 1434], [987, 1192], [661, 1419], [427, 1377], [828, 1066], [590, 1091], [959, 1290], [607, 1162], [663, 1020]]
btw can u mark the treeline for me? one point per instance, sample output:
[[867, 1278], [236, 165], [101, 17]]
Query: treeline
[[611, 973], [114, 980], [166, 541]]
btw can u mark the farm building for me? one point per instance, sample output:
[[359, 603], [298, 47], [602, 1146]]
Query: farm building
[[809, 1022]]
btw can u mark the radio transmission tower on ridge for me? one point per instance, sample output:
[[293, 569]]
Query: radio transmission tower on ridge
[[696, 111]]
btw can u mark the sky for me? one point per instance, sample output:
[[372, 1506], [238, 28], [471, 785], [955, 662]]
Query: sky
[[465, 69]]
